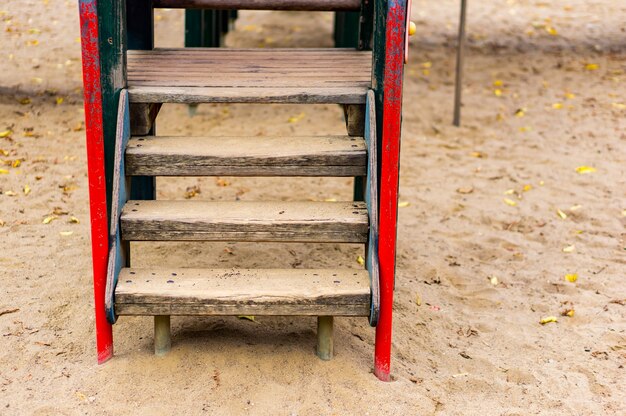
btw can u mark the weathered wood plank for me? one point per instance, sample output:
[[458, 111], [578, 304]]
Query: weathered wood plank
[[195, 95], [246, 156], [245, 221], [355, 119], [214, 75], [300, 5], [296, 292], [142, 117]]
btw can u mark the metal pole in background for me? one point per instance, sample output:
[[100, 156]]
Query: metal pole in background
[[459, 65]]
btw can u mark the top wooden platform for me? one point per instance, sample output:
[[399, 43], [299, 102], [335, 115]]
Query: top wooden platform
[[218, 75]]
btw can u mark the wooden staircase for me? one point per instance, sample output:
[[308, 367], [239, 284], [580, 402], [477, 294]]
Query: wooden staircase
[[244, 76], [126, 81]]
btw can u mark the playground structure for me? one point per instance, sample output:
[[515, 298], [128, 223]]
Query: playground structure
[[126, 81]]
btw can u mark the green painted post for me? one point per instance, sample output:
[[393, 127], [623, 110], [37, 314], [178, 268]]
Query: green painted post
[[111, 23], [140, 35]]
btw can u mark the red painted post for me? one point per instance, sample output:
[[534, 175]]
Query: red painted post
[[392, 118], [95, 165]]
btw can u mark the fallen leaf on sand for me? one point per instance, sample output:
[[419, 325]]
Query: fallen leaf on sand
[[246, 317], [418, 299], [3, 171], [591, 67], [74, 220], [360, 260], [403, 204], [192, 191], [5, 133], [527, 188], [493, 280], [561, 214], [49, 219], [557, 106], [295, 119], [568, 312], [571, 277], [585, 169], [66, 233], [520, 112], [509, 202], [569, 249], [548, 319], [26, 189], [10, 193], [466, 190]]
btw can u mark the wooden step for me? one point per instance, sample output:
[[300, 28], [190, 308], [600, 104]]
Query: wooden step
[[302, 5], [246, 156], [221, 75], [343, 292], [332, 222]]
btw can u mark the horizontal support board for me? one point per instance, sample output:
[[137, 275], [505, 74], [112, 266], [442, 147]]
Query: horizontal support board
[[214, 75], [246, 156], [342, 292], [301, 5], [332, 222]]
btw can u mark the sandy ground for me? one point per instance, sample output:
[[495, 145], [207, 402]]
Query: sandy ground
[[482, 254]]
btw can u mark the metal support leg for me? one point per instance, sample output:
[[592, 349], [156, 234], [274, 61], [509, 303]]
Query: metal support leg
[[459, 65], [162, 335], [325, 337]]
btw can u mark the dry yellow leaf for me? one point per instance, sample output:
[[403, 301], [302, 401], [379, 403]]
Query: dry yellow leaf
[[418, 299], [26, 189], [5, 133], [497, 92], [557, 106], [16, 163], [619, 106], [49, 219], [624, 213], [569, 249], [575, 207], [330, 200], [585, 169], [3, 171], [571, 277], [24, 101], [493, 280], [66, 233], [10, 193], [569, 96], [4, 152], [509, 202], [426, 64], [527, 188], [295, 119], [404, 204], [552, 31], [465, 190], [568, 312], [561, 214], [591, 67], [360, 260], [548, 319], [520, 112], [498, 83], [59, 100], [509, 192], [541, 183], [74, 220], [247, 317], [524, 129]]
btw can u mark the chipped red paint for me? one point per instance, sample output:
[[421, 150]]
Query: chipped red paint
[[95, 165], [392, 119]]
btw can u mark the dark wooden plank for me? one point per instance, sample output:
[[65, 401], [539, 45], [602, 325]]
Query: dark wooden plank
[[118, 250], [342, 292], [302, 5], [198, 95], [246, 156], [355, 119], [142, 118], [336, 222]]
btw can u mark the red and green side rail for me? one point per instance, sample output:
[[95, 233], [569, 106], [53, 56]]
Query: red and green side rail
[[105, 32]]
